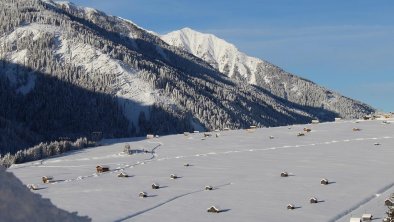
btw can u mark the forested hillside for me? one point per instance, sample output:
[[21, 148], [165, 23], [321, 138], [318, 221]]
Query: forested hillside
[[68, 71]]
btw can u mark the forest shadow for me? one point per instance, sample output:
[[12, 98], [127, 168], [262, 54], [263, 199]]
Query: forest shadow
[[57, 108]]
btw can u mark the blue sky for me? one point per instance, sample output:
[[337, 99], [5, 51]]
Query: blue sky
[[344, 45]]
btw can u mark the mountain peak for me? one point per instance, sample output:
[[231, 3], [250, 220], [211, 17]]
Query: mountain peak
[[226, 58]]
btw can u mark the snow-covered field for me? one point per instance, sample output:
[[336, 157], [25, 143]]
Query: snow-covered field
[[243, 167]]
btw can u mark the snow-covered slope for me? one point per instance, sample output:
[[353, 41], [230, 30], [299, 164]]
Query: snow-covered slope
[[229, 60], [17, 203], [70, 71], [243, 167], [220, 54]]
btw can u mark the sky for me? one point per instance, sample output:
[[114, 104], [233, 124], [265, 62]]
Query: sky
[[346, 46]]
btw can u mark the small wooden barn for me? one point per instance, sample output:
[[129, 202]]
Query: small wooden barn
[[356, 129], [355, 219], [208, 187], [366, 217], [301, 134], [313, 200], [155, 186], [143, 194], [284, 174], [174, 176], [315, 121], [213, 209], [307, 130], [102, 168], [324, 181], [32, 187], [290, 207], [47, 179], [207, 134], [123, 174], [388, 203], [186, 164]]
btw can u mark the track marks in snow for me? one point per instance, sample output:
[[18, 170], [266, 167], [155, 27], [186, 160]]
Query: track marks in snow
[[362, 203], [165, 202]]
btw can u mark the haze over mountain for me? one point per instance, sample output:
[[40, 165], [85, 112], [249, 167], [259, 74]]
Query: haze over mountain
[[68, 71]]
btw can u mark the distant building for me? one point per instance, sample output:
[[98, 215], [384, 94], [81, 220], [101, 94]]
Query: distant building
[[213, 209], [324, 181], [102, 168], [47, 179]]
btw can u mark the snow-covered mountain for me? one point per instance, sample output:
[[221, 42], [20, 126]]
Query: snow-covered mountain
[[229, 60], [68, 71]]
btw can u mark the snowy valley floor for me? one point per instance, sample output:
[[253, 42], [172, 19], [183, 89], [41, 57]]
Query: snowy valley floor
[[244, 168]]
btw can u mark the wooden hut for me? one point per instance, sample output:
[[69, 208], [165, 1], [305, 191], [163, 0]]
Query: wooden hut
[[32, 187], [102, 168], [313, 200], [301, 134], [208, 187], [290, 207], [284, 174], [307, 130], [388, 203], [186, 165], [143, 195], [366, 217], [47, 179], [207, 134], [123, 174], [355, 219], [272, 137], [324, 181], [174, 176], [356, 129], [315, 121], [155, 186], [213, 209]]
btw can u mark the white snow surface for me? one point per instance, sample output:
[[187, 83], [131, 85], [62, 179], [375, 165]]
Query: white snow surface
[[220, 54], [243, 166]]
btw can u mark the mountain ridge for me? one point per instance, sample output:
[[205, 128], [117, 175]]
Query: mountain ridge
[[119, 79], [229, 60]]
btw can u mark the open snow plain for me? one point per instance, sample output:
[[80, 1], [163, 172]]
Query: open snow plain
[[243, 167]]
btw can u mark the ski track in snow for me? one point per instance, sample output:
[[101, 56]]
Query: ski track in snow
[[361, 203], [154, 156], [165, 202]]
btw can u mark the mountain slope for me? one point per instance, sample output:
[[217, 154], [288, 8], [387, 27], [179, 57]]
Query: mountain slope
[[229, 60], [70, 71]]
